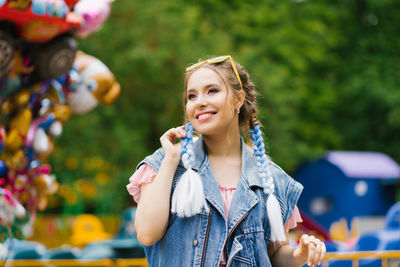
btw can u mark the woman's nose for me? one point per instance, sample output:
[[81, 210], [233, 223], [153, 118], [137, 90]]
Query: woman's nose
[[201, 101]]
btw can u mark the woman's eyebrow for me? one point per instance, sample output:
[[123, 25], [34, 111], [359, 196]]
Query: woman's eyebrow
[[192, 90], [212, 85]]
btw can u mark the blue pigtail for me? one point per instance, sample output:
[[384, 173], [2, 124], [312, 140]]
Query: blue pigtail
[[188, 197], [263, 165], [187, 154]]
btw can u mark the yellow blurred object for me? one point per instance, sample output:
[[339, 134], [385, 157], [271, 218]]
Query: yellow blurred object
[[7, 107], [42, 201], [22, 98], [62, 112], [71, 163], [19, 4], [16, 160], [339, 230], [19, 127], [355, 228], [102, 178], [87, 228], [86, 188], [13, 140]]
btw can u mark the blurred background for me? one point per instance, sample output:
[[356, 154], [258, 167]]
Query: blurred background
[[328, 75]]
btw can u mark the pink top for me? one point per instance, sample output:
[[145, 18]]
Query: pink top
[[146, 174]]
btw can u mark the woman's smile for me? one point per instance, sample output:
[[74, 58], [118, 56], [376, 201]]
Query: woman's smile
[[205, 115]]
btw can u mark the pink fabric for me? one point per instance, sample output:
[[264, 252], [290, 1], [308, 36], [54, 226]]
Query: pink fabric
[[146, 174], [227, 195]]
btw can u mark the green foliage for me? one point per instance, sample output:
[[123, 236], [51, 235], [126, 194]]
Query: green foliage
[[327, 72]]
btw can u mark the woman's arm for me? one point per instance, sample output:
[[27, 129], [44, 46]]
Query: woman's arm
[[153, 208], [310, 250]]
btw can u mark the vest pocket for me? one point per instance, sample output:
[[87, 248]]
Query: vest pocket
[[242, 252]]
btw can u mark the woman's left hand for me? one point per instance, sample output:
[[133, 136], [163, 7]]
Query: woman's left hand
[[311, 249]]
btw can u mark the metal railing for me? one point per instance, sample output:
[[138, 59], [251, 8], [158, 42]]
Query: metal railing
[[389, 258], [75, 263]]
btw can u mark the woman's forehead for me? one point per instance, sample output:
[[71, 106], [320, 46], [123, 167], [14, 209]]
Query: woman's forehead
[[202, 78]]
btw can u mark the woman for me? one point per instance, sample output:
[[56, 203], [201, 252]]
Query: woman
[[216, 201]]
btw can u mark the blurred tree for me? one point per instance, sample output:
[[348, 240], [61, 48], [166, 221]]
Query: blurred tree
[[327, 72], [369, 76]]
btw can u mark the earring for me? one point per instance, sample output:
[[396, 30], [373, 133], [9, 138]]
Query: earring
[[238, 111]]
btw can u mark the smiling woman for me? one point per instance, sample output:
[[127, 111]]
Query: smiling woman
[[216, 201]]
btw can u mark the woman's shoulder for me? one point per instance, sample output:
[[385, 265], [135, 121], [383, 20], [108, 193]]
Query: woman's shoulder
[[287, 190], [154, 160], [283, 181]]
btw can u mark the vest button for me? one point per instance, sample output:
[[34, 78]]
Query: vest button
[[195, 243]]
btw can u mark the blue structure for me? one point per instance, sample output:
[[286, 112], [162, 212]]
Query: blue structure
[[382, 239], [347, 184]]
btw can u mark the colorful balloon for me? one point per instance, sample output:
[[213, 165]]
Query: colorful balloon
[[93, 83], [38, 96]]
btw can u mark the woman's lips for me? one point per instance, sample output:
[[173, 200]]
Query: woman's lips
[[205, 116]]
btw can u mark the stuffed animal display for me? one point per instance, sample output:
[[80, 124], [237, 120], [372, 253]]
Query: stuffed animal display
[[34, 106]]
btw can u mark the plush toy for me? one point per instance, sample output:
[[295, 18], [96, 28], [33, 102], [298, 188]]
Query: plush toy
[[95, 84]]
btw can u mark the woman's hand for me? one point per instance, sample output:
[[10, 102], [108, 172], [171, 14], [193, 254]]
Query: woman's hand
[[311, 249], [172, 149]]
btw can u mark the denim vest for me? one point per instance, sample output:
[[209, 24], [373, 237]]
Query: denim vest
[[243, 236]]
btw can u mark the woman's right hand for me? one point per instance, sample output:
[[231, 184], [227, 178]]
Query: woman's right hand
[[172, 150]]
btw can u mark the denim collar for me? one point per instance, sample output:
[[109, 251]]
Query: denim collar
[[244, 198]]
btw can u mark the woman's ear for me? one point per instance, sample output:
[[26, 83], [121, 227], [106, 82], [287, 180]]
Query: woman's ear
[[240, 97]]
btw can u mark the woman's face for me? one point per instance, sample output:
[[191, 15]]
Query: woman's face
[[210, 107]]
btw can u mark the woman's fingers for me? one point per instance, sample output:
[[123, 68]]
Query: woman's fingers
[[312, 249], [180, 132], [301, 248], [168, 142], [173, 133], [316, 251], [312, 246]]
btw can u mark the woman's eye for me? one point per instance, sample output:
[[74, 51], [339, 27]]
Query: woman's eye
[[213, 91], [191, 96]]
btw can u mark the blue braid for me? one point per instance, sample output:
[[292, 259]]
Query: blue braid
[[262, 161], [187, 153]]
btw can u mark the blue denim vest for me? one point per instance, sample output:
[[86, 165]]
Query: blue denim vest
[[200, 240]]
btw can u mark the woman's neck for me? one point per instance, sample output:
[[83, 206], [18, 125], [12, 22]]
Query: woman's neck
[[225, 145], [225, 157]]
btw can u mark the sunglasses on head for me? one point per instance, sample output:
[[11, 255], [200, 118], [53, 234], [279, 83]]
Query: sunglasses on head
[[215, 61]]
